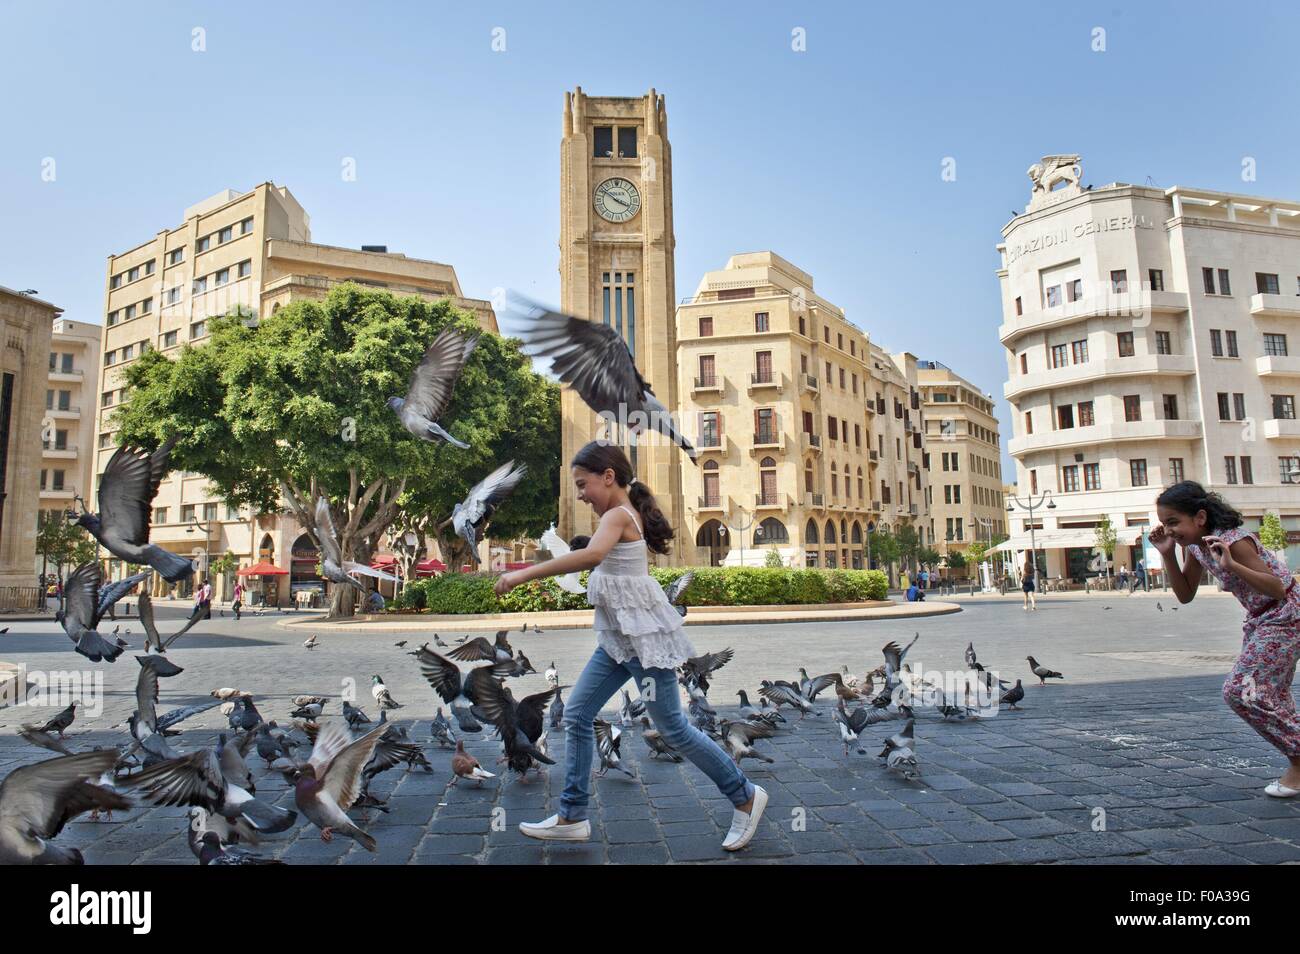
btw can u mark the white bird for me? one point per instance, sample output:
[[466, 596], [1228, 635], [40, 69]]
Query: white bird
[[473, 513], [569, 582]]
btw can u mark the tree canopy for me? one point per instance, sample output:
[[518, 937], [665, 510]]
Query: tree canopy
[[277, 412]]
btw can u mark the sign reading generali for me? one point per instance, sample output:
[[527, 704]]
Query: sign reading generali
[[1116, 223]]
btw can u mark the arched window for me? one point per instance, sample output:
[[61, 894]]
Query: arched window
[[857, 533], [770, 531], [712, 486], [830, 531], [810, 533], [710, 465], [844, 531], [808, 477], [767, 494], [860, 496], [835, 481]]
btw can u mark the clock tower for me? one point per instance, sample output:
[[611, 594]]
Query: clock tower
[[616, 267]]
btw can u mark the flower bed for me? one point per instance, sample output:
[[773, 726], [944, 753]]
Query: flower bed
[[465, 593]]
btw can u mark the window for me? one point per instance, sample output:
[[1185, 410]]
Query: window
[[1033, 481], [169, 339], [627, 142], [1070, 479], [1239, 406], [1020, 308], [128, 352], [1085, 414], [839, 341], [1265, 285], [760, 321], [128, 312], [1064, 417], [1247, 471], [1175, 469], [1137, 472], [1092, 476], [203, 244], [1224, 413], [246, 226], [1053, 296], [763, 367], [1232, 344], [1074, 290], [1125, 341], [1163, 344], [833, 428], [1024, 362], [173, 295], [148, 267], [1216, 343], [826, 334], [187, 513], [765, 431], [1207, 279], [198, 329], [1288, 469], [115, 281], [803, 326], [1171, 407], [1283, 406], [1059, 356], [1224, 287], [1156, 278], [842, 385], [146, 306], [711, 429], [112, 319], [706, 327], [1230, 469], [65, 400], [1029, 422], [225, 235], [1119, 281], [200, 286], [1079, 349], [855, 382], [159, 514], [58, 480], [1275, 345], [1132, 407], [133, 274], [222, 277], [176, 256], [245, 268]]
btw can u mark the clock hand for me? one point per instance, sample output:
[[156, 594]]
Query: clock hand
[[610, 195]]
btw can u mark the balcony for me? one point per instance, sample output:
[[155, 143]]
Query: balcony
[[873, 456], [712, 503], [1147, 365], [913, 509], [814, 501], [1275, 306], [1127, 305], [811, 442], [768, 439], [771, 502], [710, 442], [71, 376], [875, 506], [808, 382], [759, 381], [1286, 365], [64, 413], [912, 467], [713, 383], [1113, 432], [1281, 427], [68, 452]]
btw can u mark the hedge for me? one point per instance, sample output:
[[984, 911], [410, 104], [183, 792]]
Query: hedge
[[462, 593]]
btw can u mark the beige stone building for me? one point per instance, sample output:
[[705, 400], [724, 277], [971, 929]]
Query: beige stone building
[[254, 250], [68, 427], [26, 325], [616, 267], [966, 459], [1151, 336], [807, 431]]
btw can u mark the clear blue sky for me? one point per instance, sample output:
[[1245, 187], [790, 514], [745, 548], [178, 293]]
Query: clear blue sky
[[830, 157]]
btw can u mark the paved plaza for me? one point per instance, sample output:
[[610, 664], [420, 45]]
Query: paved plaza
[[1135, 742]]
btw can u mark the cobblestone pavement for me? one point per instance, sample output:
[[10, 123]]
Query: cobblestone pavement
[[1136, 735]]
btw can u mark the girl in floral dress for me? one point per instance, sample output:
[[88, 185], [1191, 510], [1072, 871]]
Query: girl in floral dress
[[1259, 687], [639, 636]]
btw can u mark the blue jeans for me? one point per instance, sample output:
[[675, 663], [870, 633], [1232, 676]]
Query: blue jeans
[[603, 677]]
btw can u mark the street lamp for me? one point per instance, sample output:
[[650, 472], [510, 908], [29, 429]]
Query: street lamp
[[207, 530], [1014, 501], [741, 527]]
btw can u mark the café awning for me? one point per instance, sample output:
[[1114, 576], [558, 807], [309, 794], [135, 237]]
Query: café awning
[[1064, 539], [262, 569]]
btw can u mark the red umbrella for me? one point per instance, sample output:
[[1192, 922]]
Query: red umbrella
[[262, 569]]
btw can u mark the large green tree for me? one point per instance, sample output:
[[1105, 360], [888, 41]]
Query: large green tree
[[280, 412]]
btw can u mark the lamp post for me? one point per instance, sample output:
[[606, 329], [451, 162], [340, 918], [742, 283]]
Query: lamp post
[[1013, 501], [207, 530], [740, 526]]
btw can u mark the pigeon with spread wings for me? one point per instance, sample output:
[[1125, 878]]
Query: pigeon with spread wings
[[594, 360], [126, 491], [333, 566], [38, 800], [80, 613], [472, 515], [431, 385], [569, 582]]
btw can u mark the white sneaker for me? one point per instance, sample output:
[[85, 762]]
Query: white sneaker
[[744, 824], [552, 830], [1278, 790]]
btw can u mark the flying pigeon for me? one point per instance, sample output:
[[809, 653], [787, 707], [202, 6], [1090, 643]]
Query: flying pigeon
[[484, 498], [568, 582], [196, 779], [520, 724], [37, 800], [594, 360], [79, 615], [739, 738], [429, 392], [151, 634], [609, 749], [699, 668], [445, 677], [479, 648], [654, 741], [126, 491], [1042, 672], [676, 591], [851, 724], [333, 566]]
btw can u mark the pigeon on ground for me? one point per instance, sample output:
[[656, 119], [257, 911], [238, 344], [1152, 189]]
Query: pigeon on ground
[[1042, 672], [899, 752], [473, 513], [851, 724], [654, 741], [739, 738], [631, 709], [309, 642], [207, 846], [552, 675], [594, 360], [354, 716], [330, 781], [785, 694], [608, 739], [37, 800], [432, 382], [126, 491], [569, 582], [437, 641], [383, 698], [1013, 695], [442, 732], [62, 720], [196, 779], [557, 711], [80, 613], [307, 710], [749, 713], [464, 765]]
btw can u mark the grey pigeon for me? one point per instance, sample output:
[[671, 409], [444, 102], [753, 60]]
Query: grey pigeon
[[899, 752], [520, 724], [151, 635], [354, 715], [196, 779], [37, 800], [631, 709], [739, 739], [654, 741], [79, 614], [1042, 672], [851, 724], [594, 360], [330, 781], [473, 513], [62, 720], [609, 750], [333, 566], [557, 711], [1013, 695], [479, 648], [442, 732], [676, 592], [126, 491], [429, 392]]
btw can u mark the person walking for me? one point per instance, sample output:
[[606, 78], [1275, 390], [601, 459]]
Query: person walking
[[1259, 687], [639, 636], [1027, 584], [238, 603]]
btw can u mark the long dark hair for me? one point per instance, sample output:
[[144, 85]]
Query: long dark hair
[[1189, 497], [599, 457], [1030, 570]]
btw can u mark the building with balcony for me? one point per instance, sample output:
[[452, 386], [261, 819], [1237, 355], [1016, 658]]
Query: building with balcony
[[252, 250], [966, 459], [792, 409], [1150, 337], [26, 326], [68, 427]]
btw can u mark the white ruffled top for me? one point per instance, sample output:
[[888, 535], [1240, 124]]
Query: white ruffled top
[[633, 615]]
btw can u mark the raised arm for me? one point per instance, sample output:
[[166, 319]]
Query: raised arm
[[608, 532], [1244, 560], [1183, 581]]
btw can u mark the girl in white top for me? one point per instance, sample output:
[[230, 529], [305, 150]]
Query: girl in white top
[[639, 636]]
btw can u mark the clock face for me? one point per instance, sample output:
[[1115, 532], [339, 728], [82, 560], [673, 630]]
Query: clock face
[[617, 200]]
